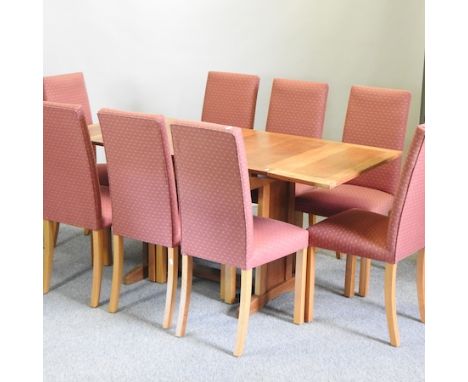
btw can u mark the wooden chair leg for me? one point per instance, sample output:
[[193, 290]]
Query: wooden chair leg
[[312, 219], [364, 276], [186, 290], [300, 286], [98, 244], [229, 284], [261, 279], [161, 264], [310, 285], [390, 303], [244, 311], [107, 247], [117, 272], [49, 233], [350, 275], [56, 232], [172, 271], [420, 276], [151, 262], [338, 255], [222, 281]]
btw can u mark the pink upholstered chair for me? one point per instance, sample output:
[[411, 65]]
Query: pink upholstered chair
[[230, 99], [211, 165], [71, 88], [375, 117], [371, 235], [297, 108], [72, 194], [143, 191]]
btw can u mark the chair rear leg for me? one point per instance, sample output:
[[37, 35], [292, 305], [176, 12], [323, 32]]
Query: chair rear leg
[[186, 290], [420, 278], [230, 275], [350, 275], [244, 311], [172, 272], [300, 286], [117, 272], [56, 232], [390, 303], [310, 285], [49, 233], [364, 276], [98, 245]]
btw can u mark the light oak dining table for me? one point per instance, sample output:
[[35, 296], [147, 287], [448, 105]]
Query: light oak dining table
[[276, 162]]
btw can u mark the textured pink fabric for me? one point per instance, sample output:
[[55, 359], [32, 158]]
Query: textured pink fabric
[[68, 88], [325, 202], [378, 117], [71, 189], [407, 231], [367, 234], [102, 174], [230, 99], [274, 239], [297, 108], [215, 205], [141, 175]]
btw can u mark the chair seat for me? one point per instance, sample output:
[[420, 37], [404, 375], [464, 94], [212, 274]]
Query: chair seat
[[102, 174], [354, 232], [323, 202], [106, 207], [275, 239]]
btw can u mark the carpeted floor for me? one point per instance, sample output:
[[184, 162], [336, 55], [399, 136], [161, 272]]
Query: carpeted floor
[[347, 341]]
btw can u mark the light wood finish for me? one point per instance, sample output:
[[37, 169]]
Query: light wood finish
[[230, 284], [222, 281], [338, 255], [390, 303], [310, 285], [244, 311], [364, 276], [312, 219], [350, 275], [258, 302], [136, 274], [56, 227], [161, 264], [49, 233], [292, 219], [420, 276], [257, 182], [117, 272], [173, 271], [186, 290], [152, 262], [107, 248], [98, 252], [261, 280], [300, 286]]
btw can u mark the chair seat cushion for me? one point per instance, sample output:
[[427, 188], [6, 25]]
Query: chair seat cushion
[[323, 202], [106, 207], [354, 232], [275, 239], [102, 174]]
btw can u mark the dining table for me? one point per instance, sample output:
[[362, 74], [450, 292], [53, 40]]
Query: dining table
[[276, 163]]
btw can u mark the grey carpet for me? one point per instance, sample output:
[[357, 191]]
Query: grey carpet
[[347, 341]]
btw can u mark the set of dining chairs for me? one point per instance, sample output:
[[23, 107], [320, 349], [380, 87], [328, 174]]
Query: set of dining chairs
[[194, 195]]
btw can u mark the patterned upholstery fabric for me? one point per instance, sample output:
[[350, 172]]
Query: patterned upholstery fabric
[[390, 239], [214, 198], [378, 117], [230, 99], [297, 107], [68, 88], [72, 194], [330, 202], [141, 175]]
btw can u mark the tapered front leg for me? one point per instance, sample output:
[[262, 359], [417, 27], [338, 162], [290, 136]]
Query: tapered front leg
[[364, 276], [172, 272], [420, 276], [186, 290], [390, 303], [49, 233], [300, 286], [117, 272], [244, 311]]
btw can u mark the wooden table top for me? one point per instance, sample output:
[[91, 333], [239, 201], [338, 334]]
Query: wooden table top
[[312, 161]]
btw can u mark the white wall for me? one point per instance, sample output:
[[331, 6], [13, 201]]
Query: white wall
[[154, 56]]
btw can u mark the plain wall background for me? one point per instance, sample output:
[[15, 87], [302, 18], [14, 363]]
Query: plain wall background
[[153, 56]]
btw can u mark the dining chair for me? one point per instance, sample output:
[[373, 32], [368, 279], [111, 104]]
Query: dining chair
[[230, 99], [143, 192], [375, 117], [297, 107], [71, 88], [210, 163], [72, 194], [371, 235]]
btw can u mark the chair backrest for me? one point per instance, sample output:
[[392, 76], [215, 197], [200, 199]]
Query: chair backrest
[[141, 177], [297, 107], [406, 233], [214, 192], [378, 117], [71, 186], [68, 88], [230, 99]]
